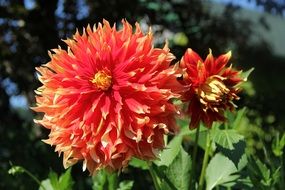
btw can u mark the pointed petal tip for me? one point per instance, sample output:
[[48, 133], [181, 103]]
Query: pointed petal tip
[[210, 51], [229, 54], [105, 21], [194, 124], [189, 50]]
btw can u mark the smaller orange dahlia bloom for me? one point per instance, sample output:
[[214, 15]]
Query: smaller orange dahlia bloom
[[107, 98], [212, 87]]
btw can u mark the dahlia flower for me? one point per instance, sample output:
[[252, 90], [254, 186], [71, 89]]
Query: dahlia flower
[[107, 98], [212, 87]]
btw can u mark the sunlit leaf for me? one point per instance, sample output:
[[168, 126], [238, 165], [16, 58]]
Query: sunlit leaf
[[137, 163], [220, 171], [278, 145], [202, 135], [47, 185], [126, 185], [238, 118], [64, 182], [245, 74], [53, 179], [276, 175], [178, 173], [236, 154], [170, 152], [226, 137]]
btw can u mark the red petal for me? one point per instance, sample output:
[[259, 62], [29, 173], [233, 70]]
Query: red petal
[[221, 62]]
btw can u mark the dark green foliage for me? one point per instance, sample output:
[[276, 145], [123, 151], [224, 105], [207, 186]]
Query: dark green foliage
[[261, 176]]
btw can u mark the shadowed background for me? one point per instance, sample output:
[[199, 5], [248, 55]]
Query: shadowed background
[[253, 29]]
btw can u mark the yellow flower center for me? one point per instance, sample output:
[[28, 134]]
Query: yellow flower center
[[214, 93], [102, 79]]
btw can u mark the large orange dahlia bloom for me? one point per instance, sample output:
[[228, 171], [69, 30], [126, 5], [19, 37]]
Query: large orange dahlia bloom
[[108, 97], [212, 87]]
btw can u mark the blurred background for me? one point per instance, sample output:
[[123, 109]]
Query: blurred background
[[253, 29]]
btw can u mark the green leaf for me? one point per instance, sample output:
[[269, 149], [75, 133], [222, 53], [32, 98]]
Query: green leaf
[[240, 183], [278, 145], [202, 135], [53, 179], [104, 180], [138, 163], [220, 171], [265, 172], [276, 175], [236, 154], [242, 162], [183, 125], [202, 139], [170, 152], [245, 75], [185, 131], [226, 137], [64, 182], [238, 118], [178, 173], [126, 185], [260, 174], [99, 180], [47, 185]]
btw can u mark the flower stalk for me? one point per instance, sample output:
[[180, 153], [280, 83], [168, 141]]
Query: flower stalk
[[19, 169], [192, 175], [153, 176], [205, 161]]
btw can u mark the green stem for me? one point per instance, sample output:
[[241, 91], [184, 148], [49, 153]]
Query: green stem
[[153, 176], [192, 174], [112, 181], [282, 184], [34, 178], [205, 162]]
